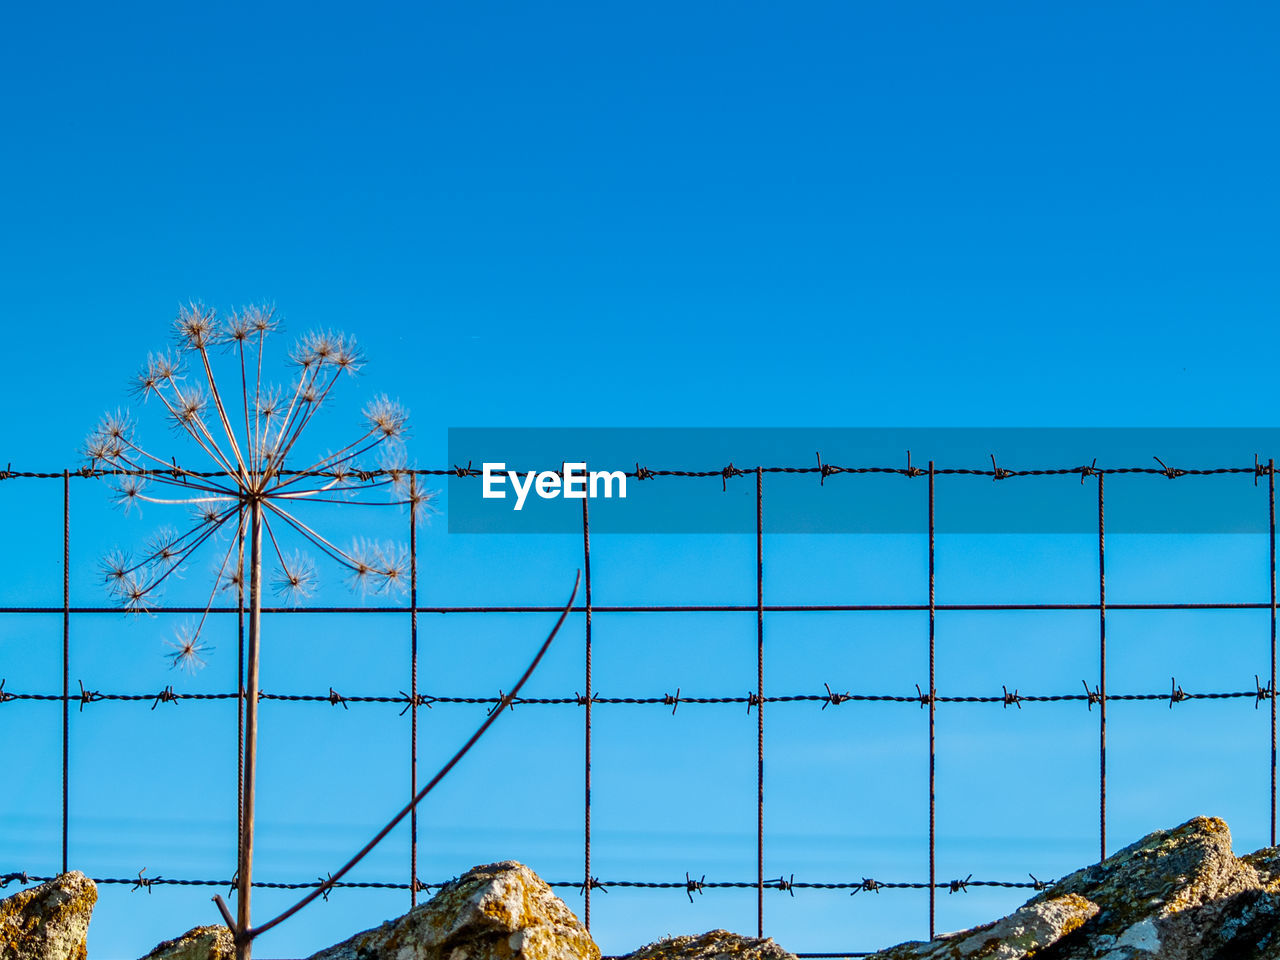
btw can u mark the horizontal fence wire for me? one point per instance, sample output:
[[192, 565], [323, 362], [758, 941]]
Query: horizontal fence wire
[[928, 697], [687, 886], [1007, 699], [823, 470]]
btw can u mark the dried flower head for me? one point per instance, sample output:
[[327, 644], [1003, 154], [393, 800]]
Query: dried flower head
[[188, 649], [247, 438], [296, 578]]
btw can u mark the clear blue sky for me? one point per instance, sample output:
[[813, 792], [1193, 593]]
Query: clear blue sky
[[749, 214]]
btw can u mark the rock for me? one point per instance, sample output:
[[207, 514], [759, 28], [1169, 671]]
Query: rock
[[1163, 896], [48, 922], [1023, 933], [716, 945], [502, 911], [1177, 894], [200, 943]]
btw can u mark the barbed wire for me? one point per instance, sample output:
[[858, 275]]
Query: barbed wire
[[823, 470], [688, 885], [1007, 698]]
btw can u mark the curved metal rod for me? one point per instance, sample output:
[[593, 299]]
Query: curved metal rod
[[248, 935]]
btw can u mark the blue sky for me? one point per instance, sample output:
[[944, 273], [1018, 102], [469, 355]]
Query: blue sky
[[718, 215]]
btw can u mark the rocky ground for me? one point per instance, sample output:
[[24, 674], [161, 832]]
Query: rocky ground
[[1177, 894]]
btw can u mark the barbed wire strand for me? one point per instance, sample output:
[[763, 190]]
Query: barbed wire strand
[[757, 698]]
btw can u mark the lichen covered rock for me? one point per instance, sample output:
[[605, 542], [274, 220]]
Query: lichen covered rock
[[715, 945], [48, 922], [1177, 894], [200, 943], [1023, 933], [502, 911], [1168, 895]]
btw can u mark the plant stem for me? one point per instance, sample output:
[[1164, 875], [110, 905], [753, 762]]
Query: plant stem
[[244, 944]]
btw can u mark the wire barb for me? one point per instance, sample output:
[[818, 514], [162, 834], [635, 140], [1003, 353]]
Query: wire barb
[[411, 700], [959, 886], [503, 701], [87, 696], [825, 470], [692, 886], [1171, 472], [144, 883], [834, 699], [166, 696], [1260, 692], [1093, 696]]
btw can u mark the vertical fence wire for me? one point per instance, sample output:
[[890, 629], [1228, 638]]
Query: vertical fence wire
[[933, 720], [586, 755], [1271, 497], [66, 653], [413, 688], [759, 703], [1102, 676]]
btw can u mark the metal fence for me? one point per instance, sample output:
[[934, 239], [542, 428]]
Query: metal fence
[[755, 701]]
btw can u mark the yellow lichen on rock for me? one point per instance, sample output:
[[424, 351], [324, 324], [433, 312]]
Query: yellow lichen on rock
[[50, 921], [500, 911], [200, 943]]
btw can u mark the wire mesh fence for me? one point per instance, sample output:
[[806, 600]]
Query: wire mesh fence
[[80, 696]]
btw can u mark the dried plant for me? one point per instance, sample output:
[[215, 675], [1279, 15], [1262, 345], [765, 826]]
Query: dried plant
[[247, 437]]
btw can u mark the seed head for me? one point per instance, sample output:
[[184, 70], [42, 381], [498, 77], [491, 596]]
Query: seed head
[[379, 567], [318, 348], [296, 578], [159, 370], [128, 490], [196, 326], [134, 594], [162, 548], [270, 405], [108, 442], [115, 569], [208, 513], [188, 649], [232, 578], [190, 408], [386, 417]]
